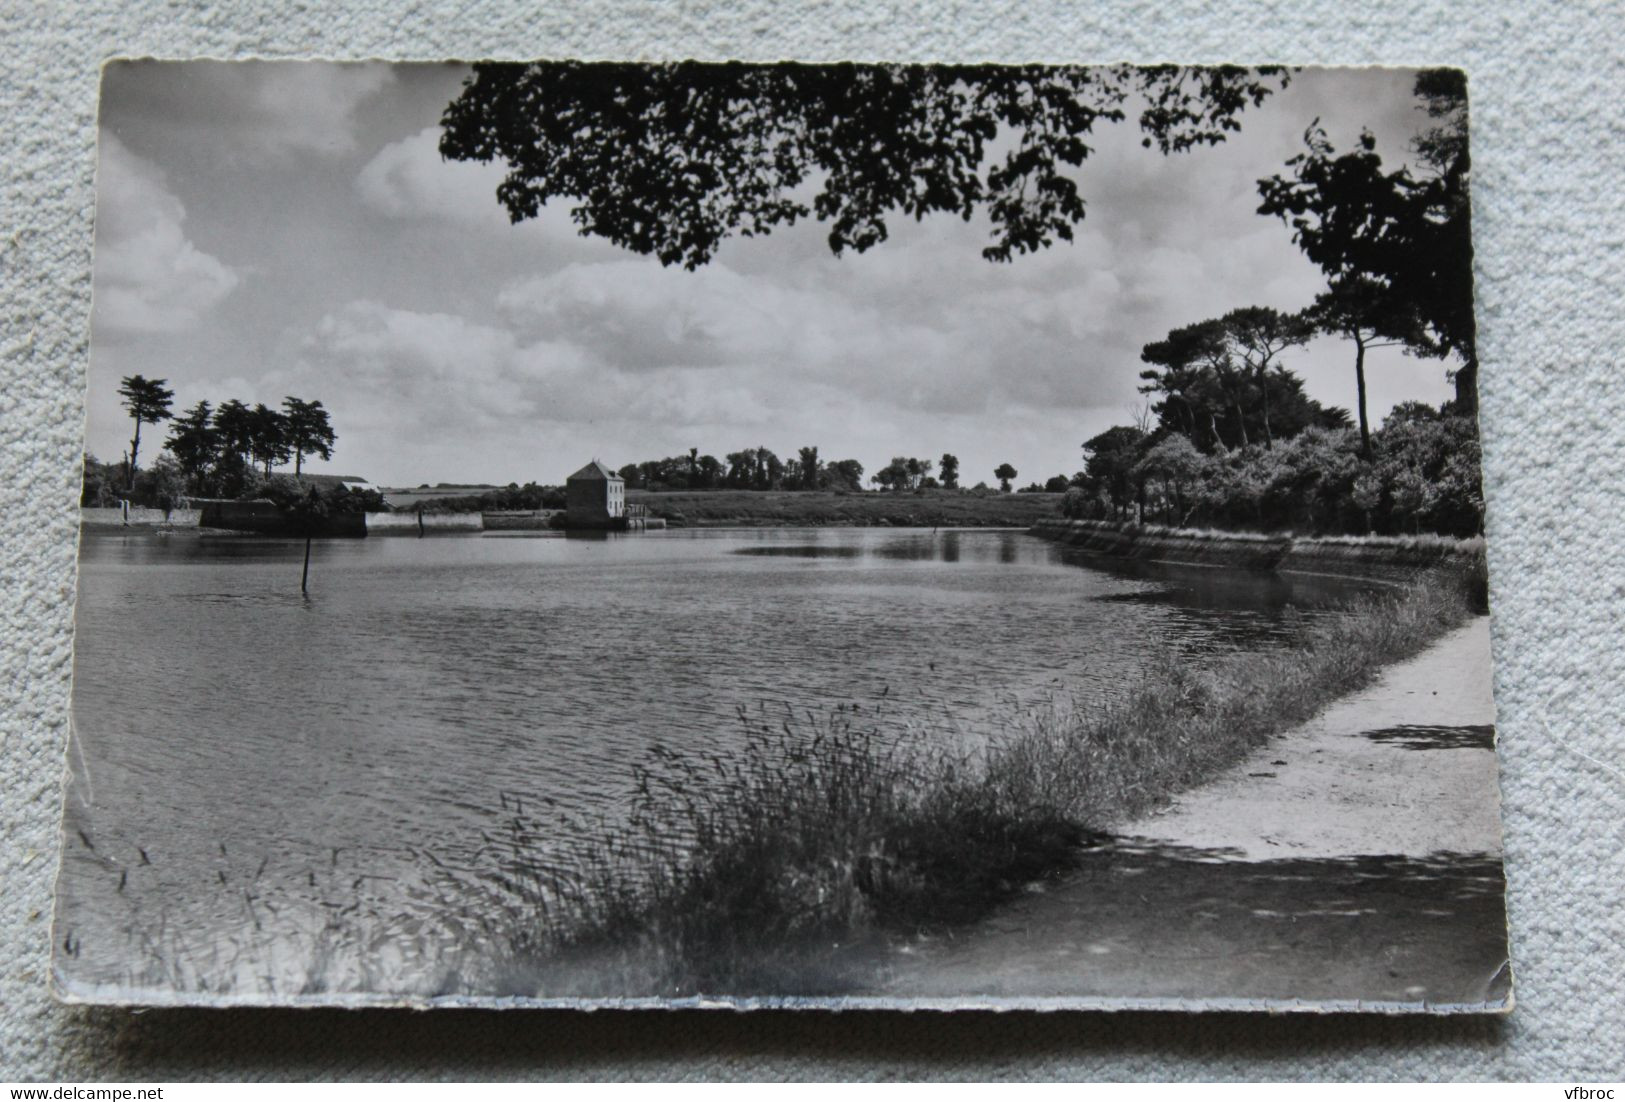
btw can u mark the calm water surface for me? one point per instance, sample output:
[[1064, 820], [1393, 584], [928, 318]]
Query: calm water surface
[[244, 756]]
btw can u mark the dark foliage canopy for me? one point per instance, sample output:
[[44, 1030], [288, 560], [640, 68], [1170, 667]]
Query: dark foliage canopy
[[1407, 238], [669, 160], [147, 400]]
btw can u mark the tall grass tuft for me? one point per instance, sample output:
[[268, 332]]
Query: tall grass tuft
[[765, 871]]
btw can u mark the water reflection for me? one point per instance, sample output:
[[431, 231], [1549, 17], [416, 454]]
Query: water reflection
[[949, 546], [809, 551], [1237, 608]]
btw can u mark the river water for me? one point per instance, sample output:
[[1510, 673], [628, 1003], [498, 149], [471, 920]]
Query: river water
[[248, 762]]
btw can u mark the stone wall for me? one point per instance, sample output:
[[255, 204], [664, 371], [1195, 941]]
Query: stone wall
[[101, 517], [1361, 556], [408, 524]]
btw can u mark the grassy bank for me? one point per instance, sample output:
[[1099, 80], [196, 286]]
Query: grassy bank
[[787, 508], [758, 873]]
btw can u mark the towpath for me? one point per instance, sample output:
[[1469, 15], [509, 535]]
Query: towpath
[[1351, 862]]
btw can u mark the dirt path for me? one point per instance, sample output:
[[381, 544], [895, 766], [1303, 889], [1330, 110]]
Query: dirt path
[[1352, 862]]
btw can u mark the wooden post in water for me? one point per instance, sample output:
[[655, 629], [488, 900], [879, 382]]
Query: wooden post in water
[[304, 579], [420, 522]]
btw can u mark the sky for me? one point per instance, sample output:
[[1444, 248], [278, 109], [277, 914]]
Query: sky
[[266, 229]]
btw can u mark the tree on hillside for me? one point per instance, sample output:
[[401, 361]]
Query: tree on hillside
[[268, 437], [165, 484], [1199, 365], [1221, 381], [1177, 469], [843, 474], [1371, 316], [894, 475], [903, 473], [754, 469], [948, 465], [195, 445], [1004, 472], [670, 160], [234, 429], [147, 401], [1409, 236], [1110, 461], [741, 468], [710, 472], [769, 470], [306, 431], [1259, 335], [1187, 391], [808, 459]]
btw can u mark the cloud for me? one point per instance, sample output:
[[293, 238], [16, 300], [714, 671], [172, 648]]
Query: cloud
[[405, 370], [902, 327], [312, 106], [635, 315], [441, 373], [149, 277], [409, 179], [257, 108]]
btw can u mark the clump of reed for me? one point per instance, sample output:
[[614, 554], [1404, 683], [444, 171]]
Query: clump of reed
[[760, 871], [766, 871], [1101, 761], [305, 933]]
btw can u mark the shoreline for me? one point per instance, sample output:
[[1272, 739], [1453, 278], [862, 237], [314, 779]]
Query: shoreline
[[1280, 551], [1385, 558], [819, 854], [1353, 856]]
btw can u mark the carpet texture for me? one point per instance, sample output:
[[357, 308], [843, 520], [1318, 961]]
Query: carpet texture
[[1548, 105]]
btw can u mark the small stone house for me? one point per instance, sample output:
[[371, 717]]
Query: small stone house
[[595, 497]]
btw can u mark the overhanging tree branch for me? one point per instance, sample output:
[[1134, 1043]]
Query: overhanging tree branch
[[670, 160]]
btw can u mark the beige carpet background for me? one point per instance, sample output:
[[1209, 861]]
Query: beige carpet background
[[1549, 152]]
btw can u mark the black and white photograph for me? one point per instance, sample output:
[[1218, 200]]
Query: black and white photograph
[[583, 533]]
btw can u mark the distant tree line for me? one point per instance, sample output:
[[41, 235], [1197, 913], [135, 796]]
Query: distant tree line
[[760, 468], [227, 452]]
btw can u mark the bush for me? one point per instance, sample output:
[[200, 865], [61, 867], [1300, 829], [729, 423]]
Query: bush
[[306, 500], [1423, 477]]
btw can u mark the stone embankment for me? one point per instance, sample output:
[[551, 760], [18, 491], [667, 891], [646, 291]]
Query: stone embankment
[[415, 524], [92, 516], [264, 518], [1362, 556]]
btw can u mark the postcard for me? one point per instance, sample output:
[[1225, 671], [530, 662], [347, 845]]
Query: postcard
[[778, 535]]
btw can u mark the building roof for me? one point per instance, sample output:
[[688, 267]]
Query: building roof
[[595, 472]]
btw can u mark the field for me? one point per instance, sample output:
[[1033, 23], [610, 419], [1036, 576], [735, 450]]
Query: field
[[403, 499], [788, 508]]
